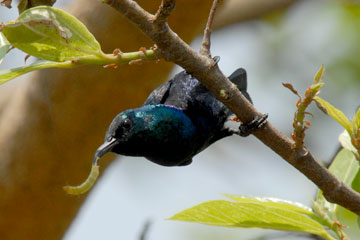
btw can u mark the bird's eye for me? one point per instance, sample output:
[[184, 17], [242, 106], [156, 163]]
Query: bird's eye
[[126, 124]]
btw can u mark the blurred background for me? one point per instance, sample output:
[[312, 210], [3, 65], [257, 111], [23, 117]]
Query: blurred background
[[286, 45]]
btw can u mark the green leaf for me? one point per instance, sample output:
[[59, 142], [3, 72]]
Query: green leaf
[[356, 120], [319, 75], [274, 202], [51, 34], [344, 167], [345, 141], [316, 87], [4, 46], [6, 75], [335, 113], [349, 219], [252, 213], [356, 182]]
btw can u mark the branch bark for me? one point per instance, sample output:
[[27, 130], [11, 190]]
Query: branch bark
[[174, 49], [164, 11], [206, 42]]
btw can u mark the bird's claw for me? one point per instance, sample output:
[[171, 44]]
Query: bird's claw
[[250, 127]]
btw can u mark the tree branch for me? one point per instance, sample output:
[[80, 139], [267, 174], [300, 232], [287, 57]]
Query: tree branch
[[174, 49], [205, 45], [164, 11]]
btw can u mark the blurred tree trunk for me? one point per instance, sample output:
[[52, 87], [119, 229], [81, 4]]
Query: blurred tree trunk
[[52, 122]]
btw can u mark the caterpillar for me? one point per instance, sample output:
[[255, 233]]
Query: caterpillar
[[87, 184]]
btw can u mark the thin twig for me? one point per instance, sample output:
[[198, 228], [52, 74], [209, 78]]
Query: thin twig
[[205, 45], [6, 3], [164, 11], [176, 50], [145, 230]]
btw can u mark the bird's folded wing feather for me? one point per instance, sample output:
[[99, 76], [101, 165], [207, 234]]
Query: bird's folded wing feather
[[159, 95]]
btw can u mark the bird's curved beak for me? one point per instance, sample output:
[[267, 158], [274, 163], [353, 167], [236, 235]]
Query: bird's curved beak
[[106, 147]]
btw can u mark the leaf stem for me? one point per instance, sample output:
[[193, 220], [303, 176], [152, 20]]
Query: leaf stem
[[104, 59]]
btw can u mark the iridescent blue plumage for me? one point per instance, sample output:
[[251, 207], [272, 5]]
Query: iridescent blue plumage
[[178, 120], [161, 133]]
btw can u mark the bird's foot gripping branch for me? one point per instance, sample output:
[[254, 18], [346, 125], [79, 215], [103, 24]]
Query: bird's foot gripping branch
[[60, 40]]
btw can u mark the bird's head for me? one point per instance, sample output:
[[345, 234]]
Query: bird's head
[[146, 131]]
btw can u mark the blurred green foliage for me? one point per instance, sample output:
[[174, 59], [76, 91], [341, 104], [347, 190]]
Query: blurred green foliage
[[321, 32]]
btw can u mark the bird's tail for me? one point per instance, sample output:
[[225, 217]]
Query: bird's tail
[[239, 78]]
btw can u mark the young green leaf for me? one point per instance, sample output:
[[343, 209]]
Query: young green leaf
[[356, 120], [4, 46], [344, 167], [356, 182], [345, 141], [335, 113], [319, 75], [349, 219], [8, 74], [274, 202], [252, 213], [51, 34]]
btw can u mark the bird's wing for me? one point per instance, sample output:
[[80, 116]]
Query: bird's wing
[[159, 95]]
